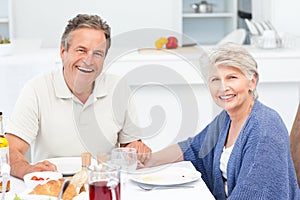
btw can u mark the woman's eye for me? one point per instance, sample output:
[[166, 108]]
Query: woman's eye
[[214, 79]]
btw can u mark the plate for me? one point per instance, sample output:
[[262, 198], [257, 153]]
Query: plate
[[26, 196], [68, 166], [41, 178], [81, 196], [167, 176], [36, 197]]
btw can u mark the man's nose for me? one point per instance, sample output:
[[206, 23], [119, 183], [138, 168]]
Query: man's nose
[[88, 60]]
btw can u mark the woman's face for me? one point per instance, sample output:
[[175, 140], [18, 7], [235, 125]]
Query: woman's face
[[229, 87], [83, 61]]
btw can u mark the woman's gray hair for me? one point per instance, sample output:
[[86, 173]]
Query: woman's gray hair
[[85, 21], [234, 55]]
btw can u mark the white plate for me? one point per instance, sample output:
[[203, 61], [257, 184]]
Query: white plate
[[36, 197], [68, 166], [167, 176], [26, 196], [45, 175]]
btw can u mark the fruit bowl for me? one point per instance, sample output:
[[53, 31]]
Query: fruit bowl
[[33, 179]]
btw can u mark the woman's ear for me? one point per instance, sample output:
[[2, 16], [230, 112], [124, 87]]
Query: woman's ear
[[254, 80]]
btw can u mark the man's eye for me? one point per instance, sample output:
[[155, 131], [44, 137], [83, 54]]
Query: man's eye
[[80, 50], [99, 54]]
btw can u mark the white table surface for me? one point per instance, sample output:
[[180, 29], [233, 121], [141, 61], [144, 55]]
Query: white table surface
[[131, 191]]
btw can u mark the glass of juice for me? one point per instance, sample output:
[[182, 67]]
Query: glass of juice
[[104, 182]]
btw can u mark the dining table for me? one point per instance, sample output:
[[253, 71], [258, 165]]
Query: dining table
[[130, 189]]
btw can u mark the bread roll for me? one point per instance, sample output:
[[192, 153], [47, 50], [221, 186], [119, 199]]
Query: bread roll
[[79, 179]]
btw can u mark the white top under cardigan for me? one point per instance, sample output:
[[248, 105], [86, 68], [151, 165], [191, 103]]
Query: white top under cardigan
[[223, 164]]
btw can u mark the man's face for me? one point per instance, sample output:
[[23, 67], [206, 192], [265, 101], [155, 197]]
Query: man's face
[[83, 61]]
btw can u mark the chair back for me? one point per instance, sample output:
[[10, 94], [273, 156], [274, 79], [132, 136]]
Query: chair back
[[295, 143]]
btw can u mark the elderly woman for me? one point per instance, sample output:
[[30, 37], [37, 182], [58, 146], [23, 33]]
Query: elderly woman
[[244, 152]]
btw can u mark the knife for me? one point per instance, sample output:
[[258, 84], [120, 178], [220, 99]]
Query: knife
[[63, 189]]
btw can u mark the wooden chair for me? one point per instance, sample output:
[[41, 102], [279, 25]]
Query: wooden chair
[[295, 143]]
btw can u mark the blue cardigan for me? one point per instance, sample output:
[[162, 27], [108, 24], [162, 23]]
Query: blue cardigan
[[260, 166]]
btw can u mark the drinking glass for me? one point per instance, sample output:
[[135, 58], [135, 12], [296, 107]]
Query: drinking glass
[[126, 158], [104, 182]]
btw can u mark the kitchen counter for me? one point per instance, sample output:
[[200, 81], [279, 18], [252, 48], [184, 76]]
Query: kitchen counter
[[274, 65], [152, 53]]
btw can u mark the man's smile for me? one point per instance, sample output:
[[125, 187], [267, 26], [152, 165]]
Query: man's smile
[[85, 70]]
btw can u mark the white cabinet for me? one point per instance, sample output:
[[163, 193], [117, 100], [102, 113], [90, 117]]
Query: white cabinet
[[209, 28], [5, 28]]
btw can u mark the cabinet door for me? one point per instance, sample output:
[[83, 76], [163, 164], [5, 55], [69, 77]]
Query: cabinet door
[[211, 27], [4, 18]]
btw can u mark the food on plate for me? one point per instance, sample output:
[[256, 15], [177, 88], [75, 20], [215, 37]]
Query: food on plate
[[35, 178], [17, 197], [152, 178], [53, 187], [172, 43], [78, 182]]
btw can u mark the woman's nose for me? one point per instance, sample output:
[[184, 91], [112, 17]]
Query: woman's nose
[[224, 85]]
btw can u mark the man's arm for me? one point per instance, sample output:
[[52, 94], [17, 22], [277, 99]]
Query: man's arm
[[18, 162]]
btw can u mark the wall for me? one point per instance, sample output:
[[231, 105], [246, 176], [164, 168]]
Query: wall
[[282, 14], [46, 19]]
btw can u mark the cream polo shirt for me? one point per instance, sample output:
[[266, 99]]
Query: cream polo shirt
[[55, 123]]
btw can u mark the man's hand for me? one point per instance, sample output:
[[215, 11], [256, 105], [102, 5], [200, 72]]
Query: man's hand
[[19, 163], [41, 166], [143, 151]]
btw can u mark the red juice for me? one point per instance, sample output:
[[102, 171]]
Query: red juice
[[100, 191]]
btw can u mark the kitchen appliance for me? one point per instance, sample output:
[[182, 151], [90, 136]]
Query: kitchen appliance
[[203, 7]]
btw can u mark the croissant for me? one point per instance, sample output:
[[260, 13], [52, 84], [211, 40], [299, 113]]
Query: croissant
[[53, 187]]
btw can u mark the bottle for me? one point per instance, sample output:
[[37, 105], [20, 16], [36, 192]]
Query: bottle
[[80, 179], [4, 159]]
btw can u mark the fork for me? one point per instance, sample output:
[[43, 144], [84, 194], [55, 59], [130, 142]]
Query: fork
[[149, 187]]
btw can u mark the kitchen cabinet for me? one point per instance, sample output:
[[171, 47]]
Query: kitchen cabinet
[[209, 28], [5, 27]]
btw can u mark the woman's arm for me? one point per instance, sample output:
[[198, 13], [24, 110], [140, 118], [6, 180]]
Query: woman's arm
[[169, 154]]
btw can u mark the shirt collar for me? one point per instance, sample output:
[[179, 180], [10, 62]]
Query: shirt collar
[[62, 90]]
